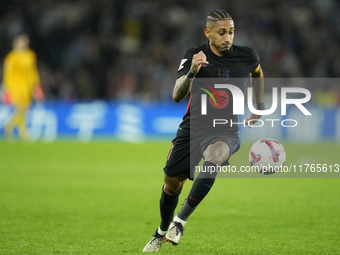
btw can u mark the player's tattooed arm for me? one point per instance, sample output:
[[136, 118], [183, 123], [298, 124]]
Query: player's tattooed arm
[[182, 88], [183, 83], [257, 83]]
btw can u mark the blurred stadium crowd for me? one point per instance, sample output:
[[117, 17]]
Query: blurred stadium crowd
[[131, 49]]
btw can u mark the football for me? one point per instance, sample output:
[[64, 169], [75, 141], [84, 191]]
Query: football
[[267, 156]]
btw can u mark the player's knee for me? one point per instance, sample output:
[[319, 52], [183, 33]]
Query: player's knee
[[217, 153], [172, 190], [173, 185]]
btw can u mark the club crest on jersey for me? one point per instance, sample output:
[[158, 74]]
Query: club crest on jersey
[[223, 74], [181, 64]]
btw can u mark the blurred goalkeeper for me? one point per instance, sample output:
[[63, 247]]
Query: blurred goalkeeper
[[218, 58], [21, 83]]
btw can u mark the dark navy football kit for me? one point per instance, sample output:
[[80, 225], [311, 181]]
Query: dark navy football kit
[[188, 145]]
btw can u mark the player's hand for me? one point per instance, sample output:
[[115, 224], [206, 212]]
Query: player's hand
[[253, 117], [198, 60]]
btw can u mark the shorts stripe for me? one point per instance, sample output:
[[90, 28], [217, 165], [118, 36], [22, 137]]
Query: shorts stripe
[[172, 146]]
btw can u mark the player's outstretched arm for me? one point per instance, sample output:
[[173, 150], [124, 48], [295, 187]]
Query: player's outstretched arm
[[258, 90], [183, 83], [258, 84]]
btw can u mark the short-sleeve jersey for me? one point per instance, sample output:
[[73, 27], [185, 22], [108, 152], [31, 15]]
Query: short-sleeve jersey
[[238, 62]]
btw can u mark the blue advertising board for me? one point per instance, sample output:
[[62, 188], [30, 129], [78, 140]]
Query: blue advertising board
[[135, 122]]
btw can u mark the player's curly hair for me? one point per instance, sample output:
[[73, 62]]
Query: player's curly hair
[[216, 15]]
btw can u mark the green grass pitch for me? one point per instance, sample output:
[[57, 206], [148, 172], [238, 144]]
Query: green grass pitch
[[103, 197]]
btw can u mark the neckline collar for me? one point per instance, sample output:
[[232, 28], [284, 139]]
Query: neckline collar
[[228, 54]]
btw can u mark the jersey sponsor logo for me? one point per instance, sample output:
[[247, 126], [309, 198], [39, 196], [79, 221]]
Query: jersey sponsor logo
[[224, 99], [181, 64], [218, 98]]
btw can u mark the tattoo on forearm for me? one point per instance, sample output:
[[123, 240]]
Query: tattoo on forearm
[[182, 88]]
